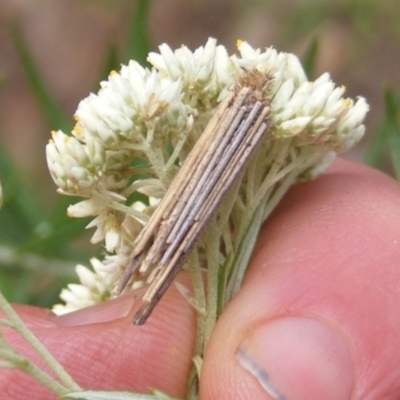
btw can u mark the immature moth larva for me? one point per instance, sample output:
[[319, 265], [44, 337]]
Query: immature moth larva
[[235, 131]]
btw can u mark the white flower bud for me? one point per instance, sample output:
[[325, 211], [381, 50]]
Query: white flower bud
[[85, 275], [293, 127], [70, 164], [84, 208]]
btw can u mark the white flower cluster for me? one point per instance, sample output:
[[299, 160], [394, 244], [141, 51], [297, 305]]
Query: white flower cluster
[[131, 137]]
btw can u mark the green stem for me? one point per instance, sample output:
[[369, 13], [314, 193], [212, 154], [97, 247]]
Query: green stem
[[212, 239], [40, 349], [15, 360], [290, 178], [200, 298], [10, 257], [243, 253], [126, 210], [156, 159]]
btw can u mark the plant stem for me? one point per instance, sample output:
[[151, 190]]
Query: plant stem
[[200, 298], [212, 238], [9, 256], [40, 349], [15, 360]]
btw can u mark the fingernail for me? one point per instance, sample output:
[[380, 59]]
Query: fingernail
[[108, 311], [298, 358]]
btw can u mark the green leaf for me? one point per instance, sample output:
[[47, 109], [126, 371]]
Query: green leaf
[[374, 153], [46, 102], [309, 58], [111, 395], [97, 395], [21, 212], [111, 62], [392, 131], [138, 43]]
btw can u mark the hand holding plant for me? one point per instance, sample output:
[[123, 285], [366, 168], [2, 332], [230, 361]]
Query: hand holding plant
[[337, 264], [128, 144]]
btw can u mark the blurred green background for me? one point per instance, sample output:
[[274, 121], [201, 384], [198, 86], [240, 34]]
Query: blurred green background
[[53, 53]]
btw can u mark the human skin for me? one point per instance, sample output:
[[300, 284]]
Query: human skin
[[319, 310]]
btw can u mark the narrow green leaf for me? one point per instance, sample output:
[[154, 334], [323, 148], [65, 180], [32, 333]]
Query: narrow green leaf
[[111, 395], [309, 59], [374, 153], [46, 102], [97, 395], [392, 130], [222, 284], [138, 42], [111, 62], [21, 212]]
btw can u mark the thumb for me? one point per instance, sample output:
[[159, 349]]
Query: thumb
[[318, 315]]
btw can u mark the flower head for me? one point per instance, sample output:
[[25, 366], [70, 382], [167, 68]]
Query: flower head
[[134, 134]]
